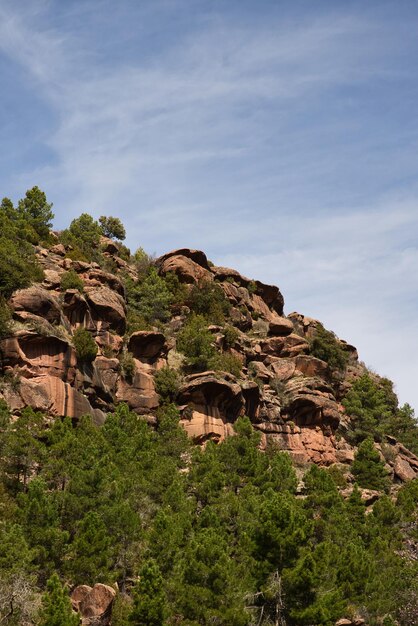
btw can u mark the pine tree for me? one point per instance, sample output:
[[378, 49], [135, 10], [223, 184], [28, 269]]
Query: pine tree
[[149, 599], [368, 468], [56, 606]]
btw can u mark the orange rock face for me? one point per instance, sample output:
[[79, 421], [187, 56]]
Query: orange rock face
[[288, 394], [94, 604]]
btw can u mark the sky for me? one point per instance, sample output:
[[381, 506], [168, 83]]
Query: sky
[[281, 137]]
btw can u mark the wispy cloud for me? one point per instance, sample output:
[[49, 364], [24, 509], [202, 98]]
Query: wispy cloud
[[279, 142]]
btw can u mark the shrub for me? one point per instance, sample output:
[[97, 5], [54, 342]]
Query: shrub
[[208, 299], [85, 346], [150, 298], [226, 362], [36, 211], [127, 365], [326, 347], [83, 235], [71, 280], [167, 382], [112, 227], [368, 468], [5, 317], [252, 286], [231, 335], [143, 261], [196, 343]]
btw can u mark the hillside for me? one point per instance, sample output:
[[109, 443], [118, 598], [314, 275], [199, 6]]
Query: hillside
[[173, 440]]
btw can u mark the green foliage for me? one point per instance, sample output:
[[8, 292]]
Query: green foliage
[[326, 347], [149, 600], [56, 606], [18, 265], [127, 365], [143, 262], [368, 468], [5, 317], [112, 227], [252, 287], [373, 408], [71, 280], [83, 235], [36, 212], [231, 335], [208, 299], [167, 383], [150, 298], [226, 362], [195, 341], [85, 346]]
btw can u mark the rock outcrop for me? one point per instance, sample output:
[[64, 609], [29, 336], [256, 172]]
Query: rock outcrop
[[94, 604], [289, 394]]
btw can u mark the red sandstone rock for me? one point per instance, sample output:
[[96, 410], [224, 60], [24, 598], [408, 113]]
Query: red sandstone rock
[[94, 603], [185, 268], [107, 307], [38, 301], [147, 344]]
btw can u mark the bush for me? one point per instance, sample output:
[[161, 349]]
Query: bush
[[5, 317], [208, 299], [368, 468], [326, 347], [231, 335], [112, 227], [36, 212], [127, 365], [196, 342], [150, 298], [167, 382], [85, 346], [71, 280], [226, 362], [83, 235], [143, 261]]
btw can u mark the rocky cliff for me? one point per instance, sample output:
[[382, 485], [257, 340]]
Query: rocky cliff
[[292, 397]]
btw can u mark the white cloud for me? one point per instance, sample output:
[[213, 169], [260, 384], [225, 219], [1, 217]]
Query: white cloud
[[230, 138]]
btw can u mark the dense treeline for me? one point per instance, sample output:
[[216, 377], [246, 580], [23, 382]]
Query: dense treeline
[[217, 536]]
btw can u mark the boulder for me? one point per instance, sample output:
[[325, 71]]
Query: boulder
[[38, 301], [291, 345], [197, 256], [403, 470], [310, 401], [50, 394], [94, 604], [37, 355], [147, 344], [213, 405], [280, 325], [139, 394], [187, 270], [107, 308]]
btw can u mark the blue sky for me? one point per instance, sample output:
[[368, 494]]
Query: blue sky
[[281, 137]]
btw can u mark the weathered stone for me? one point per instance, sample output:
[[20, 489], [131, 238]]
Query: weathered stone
[[52, 395], [38, 301], [291, 345], [185, 269], [280, 325], [147, 344], [107, 308], [197, 256], [403, 470], [94, 604], [139, 394]]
